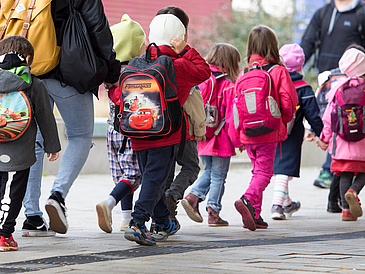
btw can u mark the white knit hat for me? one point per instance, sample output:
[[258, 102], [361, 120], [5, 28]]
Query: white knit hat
[[164, 27]]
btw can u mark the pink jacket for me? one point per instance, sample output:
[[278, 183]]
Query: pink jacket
[[288, 100], [344, 150], [219, 145]]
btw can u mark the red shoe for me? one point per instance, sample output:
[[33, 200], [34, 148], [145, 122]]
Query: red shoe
[[347, 215], [354, 202], [8, 244]]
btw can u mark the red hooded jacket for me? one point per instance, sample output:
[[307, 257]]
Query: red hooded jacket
[[190, 70]]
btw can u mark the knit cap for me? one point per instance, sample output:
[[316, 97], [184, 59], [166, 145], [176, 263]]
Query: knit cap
[[352, 63], [128, 38], [293, 57], [164, 27]]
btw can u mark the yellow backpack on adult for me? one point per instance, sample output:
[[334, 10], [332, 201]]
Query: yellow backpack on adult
[[32, 19]]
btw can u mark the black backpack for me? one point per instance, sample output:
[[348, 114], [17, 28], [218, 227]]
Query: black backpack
[[149, 107]]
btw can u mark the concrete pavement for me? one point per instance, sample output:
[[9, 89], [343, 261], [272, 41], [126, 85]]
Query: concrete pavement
[[311, 241]]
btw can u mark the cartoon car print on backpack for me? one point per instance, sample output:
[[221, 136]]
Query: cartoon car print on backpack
[[145, 118]]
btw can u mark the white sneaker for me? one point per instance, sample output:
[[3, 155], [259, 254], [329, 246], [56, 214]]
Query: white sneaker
[[124, 225], [104, 217]]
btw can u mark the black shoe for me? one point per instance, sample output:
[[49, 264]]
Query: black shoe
[[56, 210], [35, 226], [333, 207]]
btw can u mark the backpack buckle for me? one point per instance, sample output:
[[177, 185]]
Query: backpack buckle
[[4, 27], [26, 26]]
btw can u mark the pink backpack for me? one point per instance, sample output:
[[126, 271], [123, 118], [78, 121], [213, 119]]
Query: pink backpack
[[255, 109], [348, 111]]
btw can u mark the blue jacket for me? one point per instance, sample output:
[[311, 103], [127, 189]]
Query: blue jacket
[[289, 162]]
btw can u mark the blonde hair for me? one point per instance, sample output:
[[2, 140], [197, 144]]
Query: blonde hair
[[226, 57], [262, 40]]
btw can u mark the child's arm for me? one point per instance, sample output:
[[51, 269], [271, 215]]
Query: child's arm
[[310, 109]]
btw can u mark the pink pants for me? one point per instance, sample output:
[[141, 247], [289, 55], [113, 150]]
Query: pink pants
[[262, 160]]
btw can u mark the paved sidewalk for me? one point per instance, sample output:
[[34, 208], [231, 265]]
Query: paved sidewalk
[[312, 241]]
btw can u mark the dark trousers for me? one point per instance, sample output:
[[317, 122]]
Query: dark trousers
[[334, 193], [189, 162], [12, 190], [346, 183], [155, 165]]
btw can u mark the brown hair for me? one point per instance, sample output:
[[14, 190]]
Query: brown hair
[[226, 57], [19, 44], [178, 12], [262, 40]]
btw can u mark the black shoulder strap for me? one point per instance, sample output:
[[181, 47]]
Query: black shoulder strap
[[317, 42], [360, 20]]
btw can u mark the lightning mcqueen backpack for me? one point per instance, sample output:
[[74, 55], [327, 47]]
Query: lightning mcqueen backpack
[[255, 108], [149, 107]]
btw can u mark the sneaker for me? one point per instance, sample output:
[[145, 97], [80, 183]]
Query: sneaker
[[277, 212], [139, 234], [36, 226], [104, 217], [161, 232], [56, 211], [347, 215], [8, 244], [124, 225], [354, 202], [290, 209], [324, 179], [260, 223], [247, 211]]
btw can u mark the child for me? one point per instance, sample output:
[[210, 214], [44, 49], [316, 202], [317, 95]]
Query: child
[[169, 33], [287, 160], [262, 47], [129, 41], [348, 158], [216, 152], [189, 161], [17, 156]]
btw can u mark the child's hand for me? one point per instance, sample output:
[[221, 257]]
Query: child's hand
[[242, 148], [177, 44], [54, 156], [322, 145], [310, 137], [200, 138]]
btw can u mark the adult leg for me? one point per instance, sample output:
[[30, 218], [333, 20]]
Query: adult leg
[[77, 111]]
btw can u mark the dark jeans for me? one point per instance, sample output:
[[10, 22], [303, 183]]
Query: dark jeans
[[12, 190], [346, 183], [189, 172], [327, 164], [155, 165]]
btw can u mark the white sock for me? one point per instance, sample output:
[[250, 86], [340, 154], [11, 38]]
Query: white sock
[[280, 189], [126, 215], [110, 200]]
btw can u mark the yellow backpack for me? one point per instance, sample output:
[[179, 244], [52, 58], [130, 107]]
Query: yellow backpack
[[34, 22]]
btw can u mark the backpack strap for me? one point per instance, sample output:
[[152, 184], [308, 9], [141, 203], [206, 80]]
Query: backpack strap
[[360, 18], [3, 28], [317, 41], [26, 24]]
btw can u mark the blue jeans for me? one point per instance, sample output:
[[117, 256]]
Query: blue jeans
[[77, 111], [154, 164], [327, 164], [212, 180]]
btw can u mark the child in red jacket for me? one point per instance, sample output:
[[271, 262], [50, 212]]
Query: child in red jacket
[[168, 30], [262, 48]]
